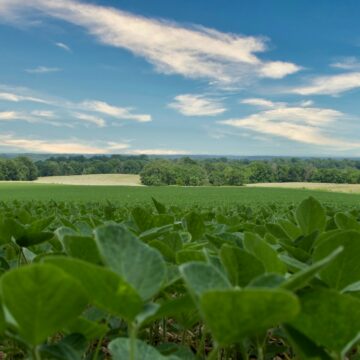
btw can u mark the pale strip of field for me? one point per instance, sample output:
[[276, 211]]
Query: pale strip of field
[[98, 179], [348, 188]]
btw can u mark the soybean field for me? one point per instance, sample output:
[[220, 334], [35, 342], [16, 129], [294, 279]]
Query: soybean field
[[239, 279]]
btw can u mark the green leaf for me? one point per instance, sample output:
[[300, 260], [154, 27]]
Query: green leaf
[[90, 329], [345, 269], [329, 319], [195, 225], [42, 299], [185, 256], [200, 277], [255, 245], [346, 222], [70, 347], [311, 216], [120, 350], [232, 315], [105, 289], [139, 264], [304, 347], [302, 277], [81, 247], [161, 208], [240, 265]]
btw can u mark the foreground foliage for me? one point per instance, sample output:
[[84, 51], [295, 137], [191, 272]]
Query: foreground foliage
[[83, 281]]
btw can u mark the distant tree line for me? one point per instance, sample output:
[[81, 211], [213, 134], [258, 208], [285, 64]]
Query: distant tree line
[[188, 171], [18, 169]]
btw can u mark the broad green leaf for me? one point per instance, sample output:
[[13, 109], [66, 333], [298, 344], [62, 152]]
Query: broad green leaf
[[120, 350], [200, 277], [301, 278], [105, 288], [311, 216], [81, 247], [267, 281], [305, 348], [10, 228], [329, 319], [139, 264], [90, 329], [240, 265], [232, 315], [345, 269], [161, 208], [185, 256], [70, 347], [264, 252], [346, 222], [42, 299], [195, 225]]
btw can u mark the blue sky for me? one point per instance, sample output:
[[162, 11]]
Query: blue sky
[[265, 77]]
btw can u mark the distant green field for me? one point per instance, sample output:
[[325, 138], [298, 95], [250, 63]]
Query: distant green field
[[168, 195]]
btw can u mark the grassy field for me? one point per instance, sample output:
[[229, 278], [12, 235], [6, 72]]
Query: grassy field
[[347, 188], [97, 179], [168, 195]]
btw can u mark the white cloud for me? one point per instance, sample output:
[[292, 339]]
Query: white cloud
[[157, 152], [68, 146], [33, 117], [278, 69], [347, 63], [91, 119], [196, 105], [330, 85], [63, 46], [302, 124], [6, 96], [191, 51], [89, 106], [42, 70], [43, 113], [306, 103], [114, 111], [259, 102], [9, 115]]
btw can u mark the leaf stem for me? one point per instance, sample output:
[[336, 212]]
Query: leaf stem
[[133, 333]]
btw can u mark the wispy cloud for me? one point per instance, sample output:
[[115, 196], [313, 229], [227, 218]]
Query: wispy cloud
[[44, 113], [42, 70], [65, 146], [197, 105], [63, 46], [308, 125], [91, 119], [347, 63], [82, 111], [113, 111], [6, 96], [259, 102], [191, 51], [33, 117], [330, 85], [156, 152]]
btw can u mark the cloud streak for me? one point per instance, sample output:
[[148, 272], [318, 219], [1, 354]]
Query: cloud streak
[[63, 46], [330, 85], [68, 146], [307, 125], [191, 51], [43, 70], [82, 111], [196, 105]]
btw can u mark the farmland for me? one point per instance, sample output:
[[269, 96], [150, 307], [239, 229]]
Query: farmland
[[228, 273], [204, 196]]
